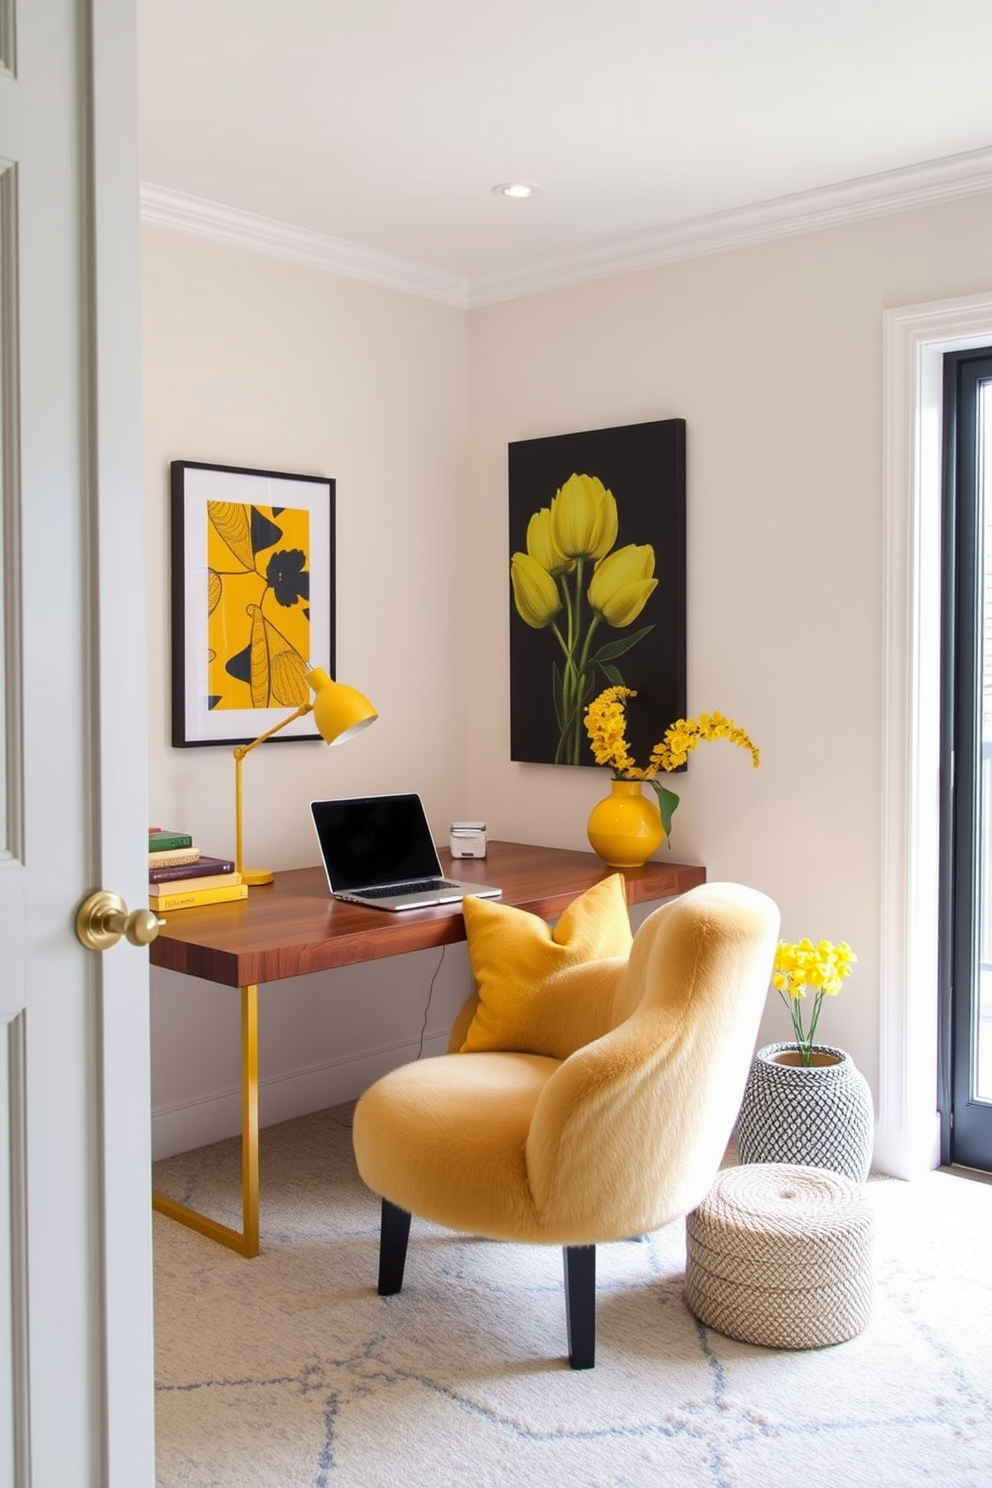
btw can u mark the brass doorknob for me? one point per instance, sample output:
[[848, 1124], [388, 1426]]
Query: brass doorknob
[[102, 919]]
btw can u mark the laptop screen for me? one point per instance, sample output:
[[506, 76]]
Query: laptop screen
[[369, 840]]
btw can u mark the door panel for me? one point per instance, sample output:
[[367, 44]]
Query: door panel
[[75, 1332], [967, 729]]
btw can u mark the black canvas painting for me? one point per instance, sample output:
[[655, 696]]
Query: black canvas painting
[[597, 585]]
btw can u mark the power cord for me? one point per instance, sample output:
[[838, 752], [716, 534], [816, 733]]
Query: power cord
[[427, 1005]]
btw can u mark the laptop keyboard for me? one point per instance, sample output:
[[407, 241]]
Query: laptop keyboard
[[418, 886]]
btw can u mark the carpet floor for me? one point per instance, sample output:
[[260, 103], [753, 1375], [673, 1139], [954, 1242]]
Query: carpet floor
[[288, 1371]]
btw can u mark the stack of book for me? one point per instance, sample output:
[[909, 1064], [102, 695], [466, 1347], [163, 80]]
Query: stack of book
[[180, 876]]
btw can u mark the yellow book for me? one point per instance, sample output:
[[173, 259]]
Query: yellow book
[[190, 897]]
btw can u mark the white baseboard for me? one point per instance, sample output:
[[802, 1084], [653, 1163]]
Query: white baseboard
[[211, 1118], [901, 1153]]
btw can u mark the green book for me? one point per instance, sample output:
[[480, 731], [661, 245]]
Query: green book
[[162, 841]]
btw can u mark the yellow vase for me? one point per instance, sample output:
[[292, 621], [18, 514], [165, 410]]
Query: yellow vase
[[625, 828]]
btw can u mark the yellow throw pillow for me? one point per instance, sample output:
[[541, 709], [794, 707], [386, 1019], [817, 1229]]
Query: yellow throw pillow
[[543, 990]]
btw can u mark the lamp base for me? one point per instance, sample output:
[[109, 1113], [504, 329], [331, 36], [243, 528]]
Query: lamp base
[[255, 876]]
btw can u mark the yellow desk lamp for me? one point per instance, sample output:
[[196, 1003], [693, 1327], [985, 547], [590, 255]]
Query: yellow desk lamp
[[339, 711]]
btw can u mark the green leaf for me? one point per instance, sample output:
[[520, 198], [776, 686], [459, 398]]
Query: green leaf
[[611, 674], [617, 648], [667, 803]]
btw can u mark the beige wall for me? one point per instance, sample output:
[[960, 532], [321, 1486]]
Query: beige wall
[[255, 362], [772, 354]]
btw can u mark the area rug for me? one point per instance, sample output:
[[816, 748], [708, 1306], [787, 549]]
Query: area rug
[[288, 1371]]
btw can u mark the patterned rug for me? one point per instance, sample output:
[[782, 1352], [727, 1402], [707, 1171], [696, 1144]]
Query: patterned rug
[[288, 1371]]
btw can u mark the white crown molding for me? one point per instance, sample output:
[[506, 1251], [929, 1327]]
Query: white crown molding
[[879, 195], [206, 219], [786, 216]]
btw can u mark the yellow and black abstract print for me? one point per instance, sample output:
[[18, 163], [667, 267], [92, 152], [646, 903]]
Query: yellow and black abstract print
[[258, 605]]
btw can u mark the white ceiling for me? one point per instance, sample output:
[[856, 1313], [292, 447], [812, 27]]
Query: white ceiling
[[379, 127]]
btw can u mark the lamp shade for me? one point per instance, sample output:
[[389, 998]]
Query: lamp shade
[[339, 711]]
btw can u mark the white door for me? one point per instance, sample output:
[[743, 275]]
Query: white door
[[75, 1290]]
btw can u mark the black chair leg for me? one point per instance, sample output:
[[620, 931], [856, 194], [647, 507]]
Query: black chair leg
[[394, 1232], [580, 1304]]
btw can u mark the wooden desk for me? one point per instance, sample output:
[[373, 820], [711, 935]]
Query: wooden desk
[[292, 927]]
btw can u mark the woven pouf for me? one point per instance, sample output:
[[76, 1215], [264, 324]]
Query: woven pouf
[[781, 1255]]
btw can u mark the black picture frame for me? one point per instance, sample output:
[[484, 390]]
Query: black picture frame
[[253, 563], [644, 467]]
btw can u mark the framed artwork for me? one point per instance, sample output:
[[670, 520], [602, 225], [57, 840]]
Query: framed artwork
[[252, 599], [597, 585]]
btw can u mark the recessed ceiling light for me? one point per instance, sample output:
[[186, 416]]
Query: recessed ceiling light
[[519, 190]]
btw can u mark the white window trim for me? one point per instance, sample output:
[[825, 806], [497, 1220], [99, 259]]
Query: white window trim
[[915, 340]]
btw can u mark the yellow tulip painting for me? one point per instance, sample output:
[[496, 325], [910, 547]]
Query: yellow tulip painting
[[597, 582], [258, 605]]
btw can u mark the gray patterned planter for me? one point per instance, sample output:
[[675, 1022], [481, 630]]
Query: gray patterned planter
[[820, 1116]]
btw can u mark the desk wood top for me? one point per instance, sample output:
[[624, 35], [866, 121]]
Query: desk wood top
[[293, 926]]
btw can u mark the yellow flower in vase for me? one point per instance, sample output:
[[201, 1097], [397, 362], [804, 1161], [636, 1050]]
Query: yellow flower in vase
[[606, 726], [824, 967]]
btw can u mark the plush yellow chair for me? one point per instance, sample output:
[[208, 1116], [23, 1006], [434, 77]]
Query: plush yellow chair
[[591, 1084]]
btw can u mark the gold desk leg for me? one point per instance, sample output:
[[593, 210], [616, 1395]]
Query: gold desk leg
[[245, 1241], [249, 1119]]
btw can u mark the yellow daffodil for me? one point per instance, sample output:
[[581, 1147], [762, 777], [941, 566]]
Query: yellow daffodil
[[535, 592], [622, 583], [824, 967], [541, 544], [584, 520]]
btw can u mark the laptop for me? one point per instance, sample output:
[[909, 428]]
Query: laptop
[[378, 851]]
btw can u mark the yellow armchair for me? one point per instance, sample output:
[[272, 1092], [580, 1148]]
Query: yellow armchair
[[577, 1139]]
